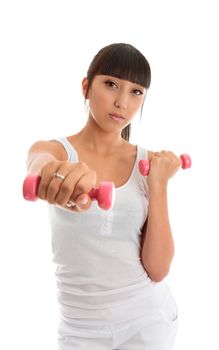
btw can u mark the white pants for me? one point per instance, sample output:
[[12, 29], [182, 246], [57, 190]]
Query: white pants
[[152, 332]]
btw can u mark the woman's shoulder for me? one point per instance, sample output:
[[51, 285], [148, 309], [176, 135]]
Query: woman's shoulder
[[48, 146], [148, 153]]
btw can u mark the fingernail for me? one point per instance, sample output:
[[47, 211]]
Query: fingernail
[[83, 200]]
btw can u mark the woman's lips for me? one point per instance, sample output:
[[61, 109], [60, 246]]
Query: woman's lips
[[117, 117]]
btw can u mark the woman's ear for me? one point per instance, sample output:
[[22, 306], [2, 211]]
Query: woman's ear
[[85, 87]]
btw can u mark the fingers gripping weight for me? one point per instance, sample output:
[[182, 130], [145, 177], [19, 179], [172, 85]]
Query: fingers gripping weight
[[104, 195], [144, 165]]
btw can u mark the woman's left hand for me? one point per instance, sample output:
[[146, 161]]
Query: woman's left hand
[[163, 165]]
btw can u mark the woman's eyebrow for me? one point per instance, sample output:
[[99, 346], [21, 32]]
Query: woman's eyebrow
[[120, 80], [137, 86]]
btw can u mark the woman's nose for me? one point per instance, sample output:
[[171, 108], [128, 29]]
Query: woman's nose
[[121, 101]]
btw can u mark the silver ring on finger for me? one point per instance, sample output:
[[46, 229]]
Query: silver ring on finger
[[59, 176], [70, 204]]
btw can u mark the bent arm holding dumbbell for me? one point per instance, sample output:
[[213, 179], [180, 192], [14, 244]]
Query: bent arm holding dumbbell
[[157, 242], [61, 181]]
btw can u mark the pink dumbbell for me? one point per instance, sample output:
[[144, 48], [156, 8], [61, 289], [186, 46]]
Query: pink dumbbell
[[104, 195], [144, 165]]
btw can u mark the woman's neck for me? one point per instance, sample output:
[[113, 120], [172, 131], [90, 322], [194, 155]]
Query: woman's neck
[[99, 141]]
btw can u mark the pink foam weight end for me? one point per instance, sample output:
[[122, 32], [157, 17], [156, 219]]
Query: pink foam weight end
[[144, 166], [106, 195], [186, 161], [30, 186]]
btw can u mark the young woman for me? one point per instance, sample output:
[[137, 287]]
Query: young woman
[[111, 264]]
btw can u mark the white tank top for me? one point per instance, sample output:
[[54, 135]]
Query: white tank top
[[100, 277]]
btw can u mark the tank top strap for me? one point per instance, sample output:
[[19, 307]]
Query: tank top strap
[[71, 152], [138, 178], [142, 153]]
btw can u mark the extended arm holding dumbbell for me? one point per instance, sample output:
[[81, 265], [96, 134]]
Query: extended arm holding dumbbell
[[104, 195]]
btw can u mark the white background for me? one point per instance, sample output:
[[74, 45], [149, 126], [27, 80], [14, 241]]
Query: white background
[[46, 47]]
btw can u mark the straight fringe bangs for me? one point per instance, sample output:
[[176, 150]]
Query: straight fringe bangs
[[124, 62]]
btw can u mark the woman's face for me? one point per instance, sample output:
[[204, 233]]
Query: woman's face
[[113, 101]]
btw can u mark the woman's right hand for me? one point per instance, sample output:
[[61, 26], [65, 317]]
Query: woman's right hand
[[75, 183]]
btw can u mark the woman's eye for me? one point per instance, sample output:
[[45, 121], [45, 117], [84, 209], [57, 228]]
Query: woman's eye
[[137, 92], [110, 83]]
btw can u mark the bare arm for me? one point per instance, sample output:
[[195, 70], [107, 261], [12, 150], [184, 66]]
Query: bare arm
[[41, 153], [157, 245], [48, 157]]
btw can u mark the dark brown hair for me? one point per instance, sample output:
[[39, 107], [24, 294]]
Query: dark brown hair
[[123, 61]]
